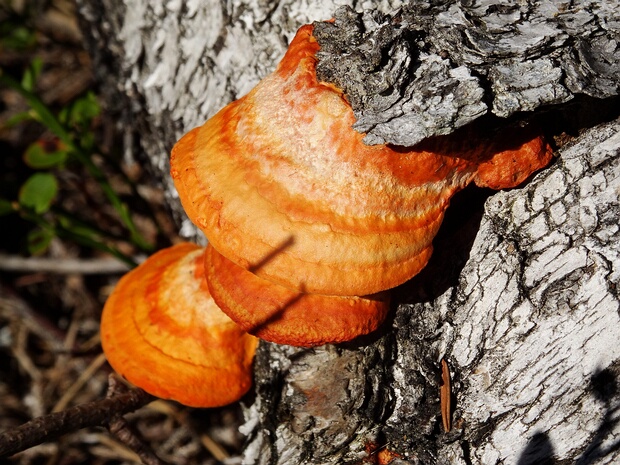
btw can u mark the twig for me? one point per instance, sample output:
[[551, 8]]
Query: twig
[[217, 451], [15, 308], [64, 266], [81, 381], [73, 235], [124, 433], [48, 427], [446, 396]]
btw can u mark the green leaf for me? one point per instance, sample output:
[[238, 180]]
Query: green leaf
[[78, 227], [17, 37], [87, 141], [32, 73], [38, 192], [39, 240], [40, 110], [36, 156], [19, 117], [83, 110], [6, 207]]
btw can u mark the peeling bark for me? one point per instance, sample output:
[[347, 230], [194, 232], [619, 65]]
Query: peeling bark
[[521, 293]]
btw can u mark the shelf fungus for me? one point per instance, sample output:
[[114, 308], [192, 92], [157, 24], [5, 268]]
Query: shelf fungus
[[163, 332], [281, 174], [284, 316]]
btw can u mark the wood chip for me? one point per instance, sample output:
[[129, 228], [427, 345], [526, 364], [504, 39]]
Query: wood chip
[[445, 396]]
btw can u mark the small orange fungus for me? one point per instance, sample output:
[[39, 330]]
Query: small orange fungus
[[163, 332]]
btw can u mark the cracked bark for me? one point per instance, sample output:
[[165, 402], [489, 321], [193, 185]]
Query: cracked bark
[[521, 293], [530, 329]]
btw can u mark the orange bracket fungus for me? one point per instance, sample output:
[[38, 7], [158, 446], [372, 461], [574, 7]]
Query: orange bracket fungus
[[163, 332], [282, 165], [278, 314], [302, 219]]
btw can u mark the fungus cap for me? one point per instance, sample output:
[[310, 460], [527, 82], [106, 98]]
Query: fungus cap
[[282, 185], [163, 332], [277, 314]]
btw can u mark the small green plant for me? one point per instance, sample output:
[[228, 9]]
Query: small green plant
[[73, 142], [15, 34]]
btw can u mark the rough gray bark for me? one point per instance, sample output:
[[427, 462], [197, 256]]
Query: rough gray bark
[[466, 59], [521, 294]]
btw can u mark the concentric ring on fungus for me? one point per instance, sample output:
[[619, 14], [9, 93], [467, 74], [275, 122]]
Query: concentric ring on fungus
[[281, 174], [163, 332], [278, 314]]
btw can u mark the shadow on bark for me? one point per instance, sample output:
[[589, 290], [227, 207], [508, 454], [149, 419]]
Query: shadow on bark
[[604, 385], [540, 450], [451, 248], [453, 243]]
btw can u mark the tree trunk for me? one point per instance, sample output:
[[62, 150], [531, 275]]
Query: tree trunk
[[520, 297], [529, 327]]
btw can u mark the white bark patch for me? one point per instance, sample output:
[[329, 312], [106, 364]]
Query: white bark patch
[[534, 375]]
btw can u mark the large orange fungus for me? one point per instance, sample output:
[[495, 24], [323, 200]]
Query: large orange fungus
[[283, 186]]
